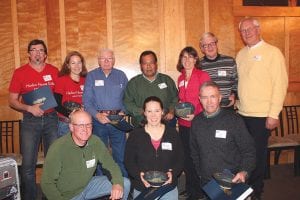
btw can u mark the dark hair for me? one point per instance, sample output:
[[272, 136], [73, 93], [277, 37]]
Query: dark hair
[[146, 53], [155, 99], [65, 70], [36, 42], [190, 51]]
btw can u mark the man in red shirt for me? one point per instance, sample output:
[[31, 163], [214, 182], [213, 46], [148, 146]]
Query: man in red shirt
[[37, 123]]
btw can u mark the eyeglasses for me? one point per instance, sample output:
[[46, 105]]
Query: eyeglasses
[[106, 59], [212, 44], [41, 51], [82, 126], [248, 30]]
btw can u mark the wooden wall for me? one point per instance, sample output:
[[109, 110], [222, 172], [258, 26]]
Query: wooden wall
[[131, 26]]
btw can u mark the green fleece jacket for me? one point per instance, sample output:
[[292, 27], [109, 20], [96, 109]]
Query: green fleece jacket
[[139, 88], [68, 168]]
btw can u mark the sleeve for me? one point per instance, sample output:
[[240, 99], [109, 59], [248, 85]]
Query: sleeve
[[279, 80], [88, 96], [234, 79], [179, 155], [125, 83], [129, 99], [194, 148], [51, 171], [15, 83], [130, 156], [60, 108], [108, 163], [245, 144], [173, 93]]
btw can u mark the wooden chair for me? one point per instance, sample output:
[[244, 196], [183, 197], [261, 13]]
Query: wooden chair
[[10, 142], [285, 137]]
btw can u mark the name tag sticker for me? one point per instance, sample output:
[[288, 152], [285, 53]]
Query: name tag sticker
[[99, 82], [221, 73], [90, 163], [166, 146], [162, 85], [257, 58], [181, 84], [47, 78], [221, 134]]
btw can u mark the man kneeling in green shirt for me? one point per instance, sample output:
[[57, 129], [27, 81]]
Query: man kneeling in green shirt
[[71, 162]]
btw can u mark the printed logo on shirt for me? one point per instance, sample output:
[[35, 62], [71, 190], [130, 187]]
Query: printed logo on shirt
[[221, 134], [81, 87], [162, 85], [181, 83], [99, 82], [47, 77], [166, 146], [222, 73], [90, 163]]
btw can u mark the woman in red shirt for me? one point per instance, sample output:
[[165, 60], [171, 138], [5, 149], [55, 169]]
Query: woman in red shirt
[[189, 82], [69, 88]]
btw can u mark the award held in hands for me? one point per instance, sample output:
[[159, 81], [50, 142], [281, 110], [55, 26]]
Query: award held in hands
[[41, 95]]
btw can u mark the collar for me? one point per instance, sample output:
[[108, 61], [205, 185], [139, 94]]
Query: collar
[[151, 81], [212, 115], [256, 45], [212, 60]]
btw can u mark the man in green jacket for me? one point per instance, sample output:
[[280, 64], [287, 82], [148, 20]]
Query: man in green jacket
[[150, 83], [71, 162]]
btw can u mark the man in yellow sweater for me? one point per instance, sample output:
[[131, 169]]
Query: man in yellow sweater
[[262, 88]]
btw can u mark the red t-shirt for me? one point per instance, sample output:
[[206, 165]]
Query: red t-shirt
[[26, 79], [190, 93], [69, 89]]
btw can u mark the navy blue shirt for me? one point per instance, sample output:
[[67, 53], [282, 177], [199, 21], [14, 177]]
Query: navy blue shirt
[[104, 93]]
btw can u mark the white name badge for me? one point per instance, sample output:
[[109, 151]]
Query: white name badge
[[181, 83], [221, 134], [166, 146], [90, 163], [257, 58], [221, 73], [47, 78], [99, 82], [81, 87], [162, 85]]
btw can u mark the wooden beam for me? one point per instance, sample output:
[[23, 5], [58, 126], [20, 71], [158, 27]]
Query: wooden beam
[[62, 26], [15, 30]]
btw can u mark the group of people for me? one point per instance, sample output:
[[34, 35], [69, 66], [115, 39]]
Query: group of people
[[81, 132]]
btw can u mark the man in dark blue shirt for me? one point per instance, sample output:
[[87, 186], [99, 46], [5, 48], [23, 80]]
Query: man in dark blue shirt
[[102, 97]]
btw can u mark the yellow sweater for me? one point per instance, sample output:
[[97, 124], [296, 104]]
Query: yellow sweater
[[262, 82]]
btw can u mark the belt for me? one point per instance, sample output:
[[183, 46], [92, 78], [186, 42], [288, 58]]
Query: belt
[[64, 119], [110, 112]]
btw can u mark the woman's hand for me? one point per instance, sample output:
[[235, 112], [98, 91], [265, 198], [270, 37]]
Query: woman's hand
[[188, 117], [146, 184]]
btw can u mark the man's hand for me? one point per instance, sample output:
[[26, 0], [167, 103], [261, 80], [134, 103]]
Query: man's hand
[[116, 192], [240, 177], [102, 118], [35, 110], [271, 123], [232, 100], [170, 178]]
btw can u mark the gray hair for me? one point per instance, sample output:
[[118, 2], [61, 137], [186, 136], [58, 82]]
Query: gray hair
[[206, 35], [105, 50], [255, 22]]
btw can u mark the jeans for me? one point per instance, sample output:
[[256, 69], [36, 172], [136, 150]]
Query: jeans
[[172, 195], [115, 138], [100, 186], [63, 128], [33, 129]]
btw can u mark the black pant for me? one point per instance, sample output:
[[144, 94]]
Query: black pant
[[192, 181], [257, 128]]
